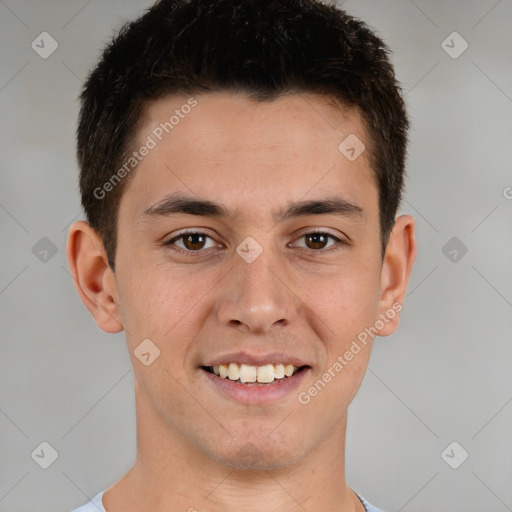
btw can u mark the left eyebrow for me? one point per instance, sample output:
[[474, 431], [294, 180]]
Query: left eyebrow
[[175, 204], [328, 206]]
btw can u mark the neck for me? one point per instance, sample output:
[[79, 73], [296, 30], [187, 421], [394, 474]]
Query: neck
[[170, 475]]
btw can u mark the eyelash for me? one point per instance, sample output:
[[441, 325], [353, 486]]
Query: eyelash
[[336, 247]]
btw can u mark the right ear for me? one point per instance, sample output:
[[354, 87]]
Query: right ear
[[92, 275]]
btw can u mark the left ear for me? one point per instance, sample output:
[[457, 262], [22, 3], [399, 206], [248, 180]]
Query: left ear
[[396, 270]]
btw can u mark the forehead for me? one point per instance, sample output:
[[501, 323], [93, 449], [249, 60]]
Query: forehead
[[228, 121], [222, 145]]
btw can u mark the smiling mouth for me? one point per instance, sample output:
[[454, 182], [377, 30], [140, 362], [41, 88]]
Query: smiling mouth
[[254, 375]]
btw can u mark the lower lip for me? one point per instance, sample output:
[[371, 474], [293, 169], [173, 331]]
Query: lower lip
[[257, 394]]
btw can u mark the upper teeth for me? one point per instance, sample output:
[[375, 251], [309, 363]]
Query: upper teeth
[[249, 373]]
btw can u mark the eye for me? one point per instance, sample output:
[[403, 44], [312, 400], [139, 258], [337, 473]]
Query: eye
[[317, 240], [196, 241], [193, 241]]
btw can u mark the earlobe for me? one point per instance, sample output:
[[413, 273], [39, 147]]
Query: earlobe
[[93, 278], [396, 270]]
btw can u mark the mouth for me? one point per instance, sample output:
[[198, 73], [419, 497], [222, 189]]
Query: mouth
[[255, 385], [251, 375]]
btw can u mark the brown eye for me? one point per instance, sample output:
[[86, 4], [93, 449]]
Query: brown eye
[[316, 240], [192, 241]]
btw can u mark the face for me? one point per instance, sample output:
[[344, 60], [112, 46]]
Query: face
[[282, 266]]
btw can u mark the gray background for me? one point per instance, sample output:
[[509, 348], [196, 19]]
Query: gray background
[[444, 376]]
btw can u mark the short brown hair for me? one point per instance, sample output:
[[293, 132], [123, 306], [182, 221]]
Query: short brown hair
[[263, 48]]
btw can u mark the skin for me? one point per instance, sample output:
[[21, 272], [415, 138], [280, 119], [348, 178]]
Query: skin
[[295, 298]]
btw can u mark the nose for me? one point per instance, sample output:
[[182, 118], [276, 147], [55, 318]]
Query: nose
[[255, 297]]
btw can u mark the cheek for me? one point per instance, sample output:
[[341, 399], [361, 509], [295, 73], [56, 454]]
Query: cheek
[[347, 301], [148, 301], [162, 306]]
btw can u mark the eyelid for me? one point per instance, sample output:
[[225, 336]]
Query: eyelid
[[325, 231], [309, 231], [182, 234], [339, 241]]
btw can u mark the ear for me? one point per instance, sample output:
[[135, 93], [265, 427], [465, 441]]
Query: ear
[[396, 270], [93, 277]]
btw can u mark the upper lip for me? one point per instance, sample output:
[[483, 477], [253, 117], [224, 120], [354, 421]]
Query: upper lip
[[256, 359]]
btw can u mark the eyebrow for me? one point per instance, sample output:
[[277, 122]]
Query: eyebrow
[[177, 203]]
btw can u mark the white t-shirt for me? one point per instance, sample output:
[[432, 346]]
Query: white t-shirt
[[96, 505]]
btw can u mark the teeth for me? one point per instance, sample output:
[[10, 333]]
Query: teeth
[[233, 371], [248, 373], [278, 371], [266, 373]]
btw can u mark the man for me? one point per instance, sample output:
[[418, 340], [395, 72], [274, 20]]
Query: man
[[242, 162]]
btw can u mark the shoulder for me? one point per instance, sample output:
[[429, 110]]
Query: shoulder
[[95, 505], [368, 506]]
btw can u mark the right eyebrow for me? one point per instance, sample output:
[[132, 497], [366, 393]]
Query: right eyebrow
[[177, 203]]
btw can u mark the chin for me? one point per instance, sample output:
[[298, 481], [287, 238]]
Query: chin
[[258, 454]]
